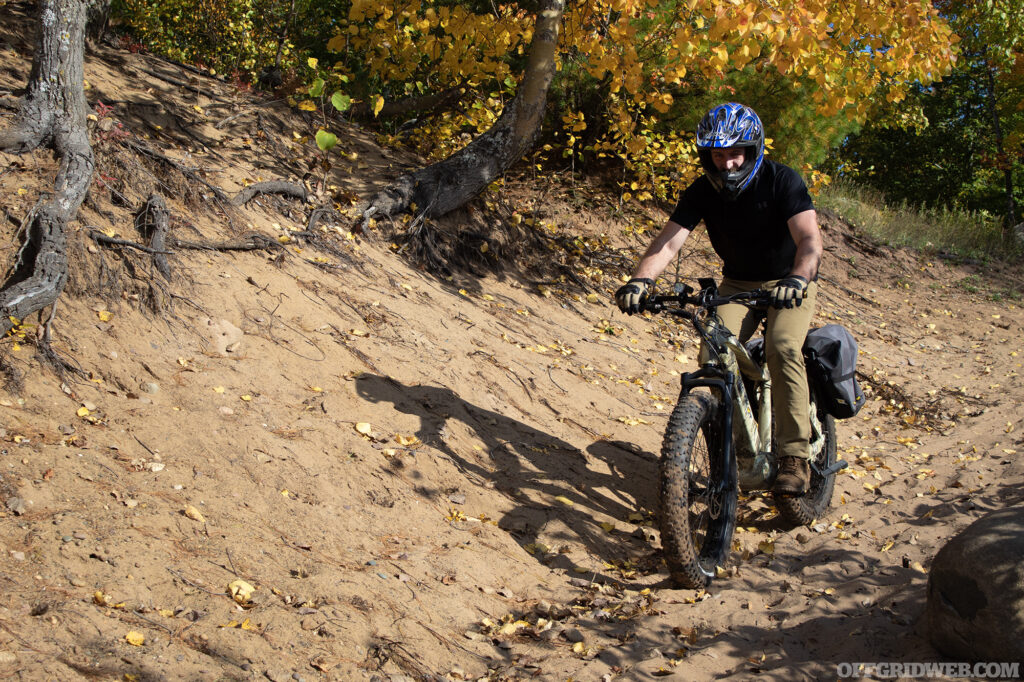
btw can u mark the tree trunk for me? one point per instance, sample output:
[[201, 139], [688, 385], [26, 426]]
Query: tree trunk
[[53, 112], [448, 184]]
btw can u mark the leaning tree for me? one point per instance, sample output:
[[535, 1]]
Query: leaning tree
[[444, 186], [53, 112]]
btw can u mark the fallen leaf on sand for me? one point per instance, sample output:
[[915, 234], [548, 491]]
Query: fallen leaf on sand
[[135, 638], [241, 591], [194, 514]]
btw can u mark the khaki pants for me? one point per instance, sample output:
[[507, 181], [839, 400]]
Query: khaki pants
[[785, 332]]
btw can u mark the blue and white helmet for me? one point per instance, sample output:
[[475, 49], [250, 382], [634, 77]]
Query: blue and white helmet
[[731, 125]]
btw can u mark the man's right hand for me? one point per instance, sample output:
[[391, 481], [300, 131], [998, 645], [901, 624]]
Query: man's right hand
[[631, 296]]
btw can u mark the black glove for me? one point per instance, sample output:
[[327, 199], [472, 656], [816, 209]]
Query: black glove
[[631, 296], [789, 292]]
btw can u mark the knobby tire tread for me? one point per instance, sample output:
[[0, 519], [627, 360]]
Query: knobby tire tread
[[805, 509], [692, 561]]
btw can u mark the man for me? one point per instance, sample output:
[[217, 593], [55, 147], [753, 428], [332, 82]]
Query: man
[[763, 226]]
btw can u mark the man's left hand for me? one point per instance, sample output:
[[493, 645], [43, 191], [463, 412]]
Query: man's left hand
[[789, 292]]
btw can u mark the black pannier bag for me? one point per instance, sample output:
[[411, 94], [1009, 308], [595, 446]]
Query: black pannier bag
[[830, 354]]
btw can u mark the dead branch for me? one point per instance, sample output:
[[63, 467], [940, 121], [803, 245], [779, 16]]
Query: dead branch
[[270, 187]]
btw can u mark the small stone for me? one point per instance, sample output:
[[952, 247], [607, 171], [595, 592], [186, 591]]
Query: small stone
[[16, 505], [310, 623], [77, 582], [18, 556], [573, 635], [457, 498], [66, 538], [8, 658], [79, 535], [150, 387], [225, 410]]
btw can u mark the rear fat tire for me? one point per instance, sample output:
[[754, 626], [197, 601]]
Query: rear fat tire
[[696, 527], [814, 504]]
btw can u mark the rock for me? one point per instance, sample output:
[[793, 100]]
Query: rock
[[16, 505], [150, 387], [975, 602], [224, 336]]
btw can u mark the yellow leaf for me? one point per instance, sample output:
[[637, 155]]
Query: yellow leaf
[[241, 591], [105, 315], [218, 389], [135, 638], [312, 61], [101, 599], [82, 411], [378, 104], [887, 546], [307, 105], [593, 298], [564, 500], [247, 398], [166, 613], [364, 428], [406, 440], [194, 514], [766, 546], [579, 647], [608, 527]]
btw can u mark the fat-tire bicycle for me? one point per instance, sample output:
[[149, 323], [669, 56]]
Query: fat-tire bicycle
[[720, 439]]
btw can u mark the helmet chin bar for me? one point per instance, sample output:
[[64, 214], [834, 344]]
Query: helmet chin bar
[[727, 183]]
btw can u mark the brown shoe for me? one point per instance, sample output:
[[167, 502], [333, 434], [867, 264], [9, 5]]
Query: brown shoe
[[794, 475]]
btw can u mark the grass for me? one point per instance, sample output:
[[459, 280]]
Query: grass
[[967, 234]]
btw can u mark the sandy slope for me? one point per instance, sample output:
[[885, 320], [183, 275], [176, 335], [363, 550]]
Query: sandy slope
[[423, 476]]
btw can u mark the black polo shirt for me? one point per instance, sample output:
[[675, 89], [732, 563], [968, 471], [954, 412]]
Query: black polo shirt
[[749, 234]]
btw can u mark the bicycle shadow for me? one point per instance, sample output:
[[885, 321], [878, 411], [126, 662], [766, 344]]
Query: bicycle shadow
[[559, 491]]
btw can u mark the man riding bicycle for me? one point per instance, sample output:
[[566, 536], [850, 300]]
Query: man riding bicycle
[[762, 224]]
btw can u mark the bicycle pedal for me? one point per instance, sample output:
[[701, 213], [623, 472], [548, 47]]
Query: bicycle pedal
[[838, 466]]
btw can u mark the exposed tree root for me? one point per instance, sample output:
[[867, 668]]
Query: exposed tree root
[[289, 189], [153, 223]]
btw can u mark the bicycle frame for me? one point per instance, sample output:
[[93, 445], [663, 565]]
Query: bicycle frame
[[724, 362]]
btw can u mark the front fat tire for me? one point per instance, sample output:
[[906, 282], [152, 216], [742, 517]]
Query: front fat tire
[[696, 528], [812, 505]]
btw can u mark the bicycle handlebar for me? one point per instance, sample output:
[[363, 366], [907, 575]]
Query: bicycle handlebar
[[705, 298]]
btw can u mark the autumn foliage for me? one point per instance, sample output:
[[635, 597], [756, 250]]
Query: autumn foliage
[[633, 75]]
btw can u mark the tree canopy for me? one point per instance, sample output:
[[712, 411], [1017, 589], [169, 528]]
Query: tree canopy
[[633, 76], [958, 141]]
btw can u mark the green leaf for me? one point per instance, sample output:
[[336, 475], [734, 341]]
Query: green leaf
[[326, 140], [317, 88], [341, 101]]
